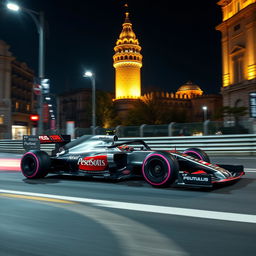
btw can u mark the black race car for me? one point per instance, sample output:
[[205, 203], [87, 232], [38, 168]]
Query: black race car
[[104, 157]]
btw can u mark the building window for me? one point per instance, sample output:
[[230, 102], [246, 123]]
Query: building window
[[28, 107], [238, 6], [236, 27], [17, 105], [252, 105], [238, 69], [1, 119]]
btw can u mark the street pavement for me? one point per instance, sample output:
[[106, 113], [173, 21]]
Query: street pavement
[[77, 216]]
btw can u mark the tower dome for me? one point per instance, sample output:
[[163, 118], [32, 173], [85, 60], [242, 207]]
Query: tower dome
[[127, 32], [190, 89]]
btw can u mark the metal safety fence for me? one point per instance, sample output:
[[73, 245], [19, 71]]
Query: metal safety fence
[[172, 129], [240, 144]]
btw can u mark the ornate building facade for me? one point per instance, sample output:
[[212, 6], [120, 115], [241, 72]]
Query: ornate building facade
[[189, 98], [238, 29], [128, 62], [75, 107], [17, 100]]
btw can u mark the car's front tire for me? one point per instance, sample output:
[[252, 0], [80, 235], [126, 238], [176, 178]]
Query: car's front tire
[[197, 153], [160, 169], [35, 164]]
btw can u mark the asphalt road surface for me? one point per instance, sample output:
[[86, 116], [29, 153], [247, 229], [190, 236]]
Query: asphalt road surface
[[77, 216]]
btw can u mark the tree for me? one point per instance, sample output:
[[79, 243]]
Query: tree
[[154, 111], [235, 112], [105, 111]]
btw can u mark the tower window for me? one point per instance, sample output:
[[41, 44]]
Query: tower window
[[126, 57], [130, 57]]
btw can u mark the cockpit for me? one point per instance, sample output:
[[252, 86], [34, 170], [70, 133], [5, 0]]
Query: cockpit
[[89, 143]]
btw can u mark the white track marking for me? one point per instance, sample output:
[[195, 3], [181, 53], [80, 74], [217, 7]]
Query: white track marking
[[205, 214], [134, 238], [245, 158], [250, 169]]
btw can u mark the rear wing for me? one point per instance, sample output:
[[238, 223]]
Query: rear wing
[[32, 142]]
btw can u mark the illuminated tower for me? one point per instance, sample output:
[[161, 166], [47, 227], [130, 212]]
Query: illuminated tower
[[238, 30], [127, 63]]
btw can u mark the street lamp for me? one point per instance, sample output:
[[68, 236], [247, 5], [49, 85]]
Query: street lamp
[[13, 7], [205, 108], [90, 75], [38, 18]]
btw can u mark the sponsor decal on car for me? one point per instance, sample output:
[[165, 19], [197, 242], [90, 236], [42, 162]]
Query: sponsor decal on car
[[54, 138], [74, 157], [93, 163], [196, 179]]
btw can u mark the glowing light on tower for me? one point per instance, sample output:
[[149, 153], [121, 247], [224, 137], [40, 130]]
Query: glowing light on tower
[[127, 63]]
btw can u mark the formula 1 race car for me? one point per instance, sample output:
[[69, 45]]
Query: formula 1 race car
[[102, 156]]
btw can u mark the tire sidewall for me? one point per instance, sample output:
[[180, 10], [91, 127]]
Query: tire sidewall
[[42, 164], [197, 153], [171, 171]]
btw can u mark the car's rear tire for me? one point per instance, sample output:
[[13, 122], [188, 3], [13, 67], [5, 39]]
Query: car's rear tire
[[35, 164], [160, 169], [197, 153]]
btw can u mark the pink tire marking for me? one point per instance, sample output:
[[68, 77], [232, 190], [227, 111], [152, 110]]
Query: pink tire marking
[[194, 152], [168, 174], [37, 165]]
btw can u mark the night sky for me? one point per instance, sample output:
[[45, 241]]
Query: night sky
[[178, 39]]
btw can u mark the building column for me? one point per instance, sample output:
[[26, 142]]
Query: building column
[[251, 52], [225, 59]]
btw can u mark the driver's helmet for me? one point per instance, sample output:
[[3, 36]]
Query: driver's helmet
[[126, 148]]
